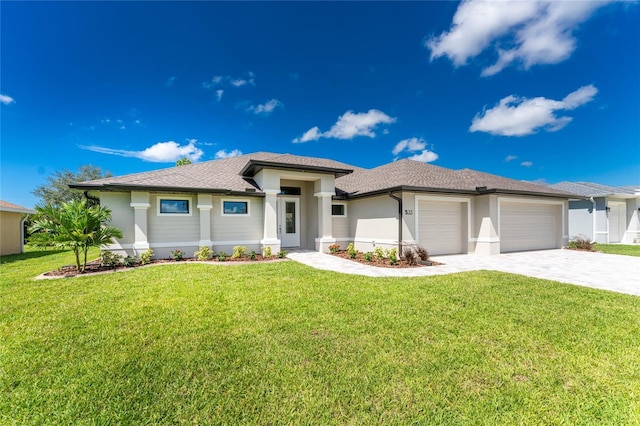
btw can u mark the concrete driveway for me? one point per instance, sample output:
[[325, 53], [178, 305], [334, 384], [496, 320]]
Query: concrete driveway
[[597, 270]]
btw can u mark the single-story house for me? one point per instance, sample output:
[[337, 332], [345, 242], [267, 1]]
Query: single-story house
[[12, 218], [605, 214], [286, 201]]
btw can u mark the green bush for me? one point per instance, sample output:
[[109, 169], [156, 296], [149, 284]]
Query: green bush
[[177, 255], [368, 256], [222, 256], [334, 248], [252, 255], [110, 259], [266, 251], [146, 256], [204, 253], [379, 253], [580, 242], [352, 251], [130, 261], [282, 254], [238, 252]]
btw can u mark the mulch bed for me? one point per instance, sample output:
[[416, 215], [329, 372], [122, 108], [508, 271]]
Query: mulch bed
[[94, 266], [382, 263]]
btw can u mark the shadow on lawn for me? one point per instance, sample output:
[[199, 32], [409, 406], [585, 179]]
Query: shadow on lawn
[[28, 255]]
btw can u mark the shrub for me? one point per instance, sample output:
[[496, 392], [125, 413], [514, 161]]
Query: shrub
[[392, 255], [252, 255], [177, 255], [410, 256], [334, 248], [238, 252], [222, 256], [282, 254], [379, 253], [109, 259], [422, 253], [352, 251], [580, 242], [145, 257], [204, 253], [266, 251], [368, 256], [130, 261]]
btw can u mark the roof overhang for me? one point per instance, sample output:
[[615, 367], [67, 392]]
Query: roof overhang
[[254, 166], [17, 210], [114, 187], [451, 191]]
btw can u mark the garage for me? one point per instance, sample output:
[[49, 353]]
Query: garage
[[529, 226], [440, 226]]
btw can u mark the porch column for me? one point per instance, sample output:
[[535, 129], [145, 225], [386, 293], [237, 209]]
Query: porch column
[[325, 224], [270, 233], [140, 204], [488, 241], [205, 204]]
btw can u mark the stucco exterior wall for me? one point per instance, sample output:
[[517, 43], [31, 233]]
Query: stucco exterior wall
[[121, 214], [581, 218], [230, 231], [10, 233], [374, 222]]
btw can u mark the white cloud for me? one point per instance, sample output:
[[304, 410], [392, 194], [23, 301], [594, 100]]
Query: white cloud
[[537, 32], [226, 81], [161, 152], [526, 164], [5, 99], [350, 125], [510, 158], [417, 147], [425, 156], [411, 144], [514, 116], [219, 94], [266, 108], [224, 154]]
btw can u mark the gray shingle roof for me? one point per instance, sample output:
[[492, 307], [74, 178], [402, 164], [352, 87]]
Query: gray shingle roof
[[225, 176], [590, 189]]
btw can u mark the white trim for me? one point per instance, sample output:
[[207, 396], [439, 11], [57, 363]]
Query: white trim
[[339, 203], [140, 205], [324, 194], [484, 240], [237, 242], [204, 206], [325, 240], [373, 241], [207, 243], [162, 198], [185, 244], [15, 210], [271, 191], [235, 200]]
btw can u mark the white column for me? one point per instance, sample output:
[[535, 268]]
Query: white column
[[488, 241], [205, 204], [270, 233], [325, 222], [140, 204]]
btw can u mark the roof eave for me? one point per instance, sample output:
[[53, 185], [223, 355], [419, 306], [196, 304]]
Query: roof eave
[[254, 166], [114, 187]]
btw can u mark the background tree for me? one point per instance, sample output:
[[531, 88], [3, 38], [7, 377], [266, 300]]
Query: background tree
[[73, 225], [183, 161], [56, 191]]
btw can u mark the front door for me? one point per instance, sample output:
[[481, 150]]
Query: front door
[[289, 222]]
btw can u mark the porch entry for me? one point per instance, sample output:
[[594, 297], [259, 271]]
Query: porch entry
[[289, 221]]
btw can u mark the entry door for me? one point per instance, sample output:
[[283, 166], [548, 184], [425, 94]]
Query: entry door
[[289, 222], [617, 221]]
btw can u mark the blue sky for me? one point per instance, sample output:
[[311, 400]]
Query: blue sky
[[529, 90]]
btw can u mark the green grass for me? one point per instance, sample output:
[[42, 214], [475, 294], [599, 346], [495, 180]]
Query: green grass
[[625, 249], [282, 343]]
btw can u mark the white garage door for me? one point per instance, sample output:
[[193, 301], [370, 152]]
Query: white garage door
[[528, 226], [440, 226]]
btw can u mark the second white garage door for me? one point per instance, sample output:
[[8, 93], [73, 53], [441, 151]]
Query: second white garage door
[[440, 226], [529, 226]]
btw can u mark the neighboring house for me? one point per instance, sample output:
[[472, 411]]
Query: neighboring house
[[12, 218], [606, 214], [288, 201]]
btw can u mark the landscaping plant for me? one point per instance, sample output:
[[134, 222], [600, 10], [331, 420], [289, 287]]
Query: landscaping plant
[[73, 225], [146, 256], [580, 242], [204, 253], [177, 255], [109, 259], [238, 252]]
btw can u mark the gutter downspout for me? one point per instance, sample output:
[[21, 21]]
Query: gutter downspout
[[594, 219], [399, 200], [22, 232]]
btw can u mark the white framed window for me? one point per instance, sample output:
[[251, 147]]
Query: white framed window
[[174, 206], [236, 207], [339, 210]]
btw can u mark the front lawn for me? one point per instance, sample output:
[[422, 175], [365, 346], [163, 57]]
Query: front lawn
[[282, 343], [625, 249]]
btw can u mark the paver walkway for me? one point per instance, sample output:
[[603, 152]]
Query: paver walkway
[[597, 270]]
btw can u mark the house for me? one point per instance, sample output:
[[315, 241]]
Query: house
[[606, 214], [286, 201], [12, 218]]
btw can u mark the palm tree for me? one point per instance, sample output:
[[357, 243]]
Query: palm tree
[[73, 225]]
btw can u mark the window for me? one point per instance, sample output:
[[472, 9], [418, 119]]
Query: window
[[289, 190], [235, 207], [338, 209], [174, 206]]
